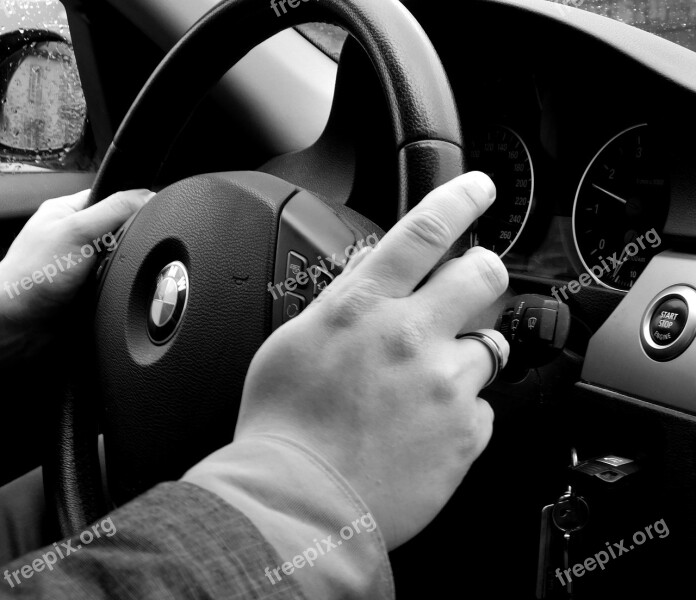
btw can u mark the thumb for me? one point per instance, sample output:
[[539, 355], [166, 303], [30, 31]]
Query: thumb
[[112, 212]]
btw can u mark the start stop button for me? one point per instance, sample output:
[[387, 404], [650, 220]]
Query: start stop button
[[669, 323]]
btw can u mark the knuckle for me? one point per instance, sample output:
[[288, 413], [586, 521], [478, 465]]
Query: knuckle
[[431, 229], [75, 226], [405, 341], [48, 205], [120, 201], [124, 203], [443, 387], [347, 307], [492, 271]]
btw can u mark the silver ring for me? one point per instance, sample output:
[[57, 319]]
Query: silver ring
[[493, 348]]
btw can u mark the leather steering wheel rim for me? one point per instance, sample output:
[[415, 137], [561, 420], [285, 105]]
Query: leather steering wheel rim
[[426, 133], [423, 110]]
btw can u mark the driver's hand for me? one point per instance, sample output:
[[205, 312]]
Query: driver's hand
[[52, 256], [372, 377]]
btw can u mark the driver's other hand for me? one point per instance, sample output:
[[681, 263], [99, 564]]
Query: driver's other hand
[[372, 377], [52, 256]]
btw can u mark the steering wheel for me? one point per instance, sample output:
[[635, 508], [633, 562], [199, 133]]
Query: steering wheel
[[183, 302]]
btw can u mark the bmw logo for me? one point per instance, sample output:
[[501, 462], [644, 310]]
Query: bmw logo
[[168, 302]]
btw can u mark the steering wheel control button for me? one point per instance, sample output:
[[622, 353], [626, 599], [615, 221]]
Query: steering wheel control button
[[538, 324], [505, 324], [668, 322], [322, 279], [536, 327], [668, 326], [293, 305], [297, 264], [168, 302]]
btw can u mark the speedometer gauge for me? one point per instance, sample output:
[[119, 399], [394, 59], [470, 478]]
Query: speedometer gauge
[[620, 209], [500, 153]]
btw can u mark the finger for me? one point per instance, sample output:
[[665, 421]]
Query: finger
[[479, 360], [76, 201], [112, 212], [462, 288], [65, 205], [416, 243], [357, 259]]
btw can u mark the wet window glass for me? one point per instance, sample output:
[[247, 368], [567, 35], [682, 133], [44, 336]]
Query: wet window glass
[[674, 20], [43, 113]]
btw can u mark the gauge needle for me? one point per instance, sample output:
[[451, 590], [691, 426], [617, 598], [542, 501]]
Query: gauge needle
[[620, 264], [614, 196]]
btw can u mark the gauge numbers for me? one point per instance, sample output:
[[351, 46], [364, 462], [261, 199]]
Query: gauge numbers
[[620, 209], [500, 153]]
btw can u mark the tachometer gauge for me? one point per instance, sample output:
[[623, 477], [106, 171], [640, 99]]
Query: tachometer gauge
[[620, 209], [500, 153]]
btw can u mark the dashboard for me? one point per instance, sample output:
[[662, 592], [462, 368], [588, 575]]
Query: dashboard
[[588, 147], [587, 128]]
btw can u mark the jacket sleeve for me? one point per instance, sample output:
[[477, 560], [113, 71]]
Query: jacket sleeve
[[328, 540], [176, 541]]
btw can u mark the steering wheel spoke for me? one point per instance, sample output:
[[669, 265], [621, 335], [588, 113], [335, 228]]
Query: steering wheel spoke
[[315, 243]]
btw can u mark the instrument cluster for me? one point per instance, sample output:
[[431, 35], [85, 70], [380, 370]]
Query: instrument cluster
[[610, 229]]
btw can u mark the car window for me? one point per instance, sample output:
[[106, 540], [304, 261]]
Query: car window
[[43, 113], [674, 20]]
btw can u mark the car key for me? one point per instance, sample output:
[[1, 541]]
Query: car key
[[566, 515], [570, 514]]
